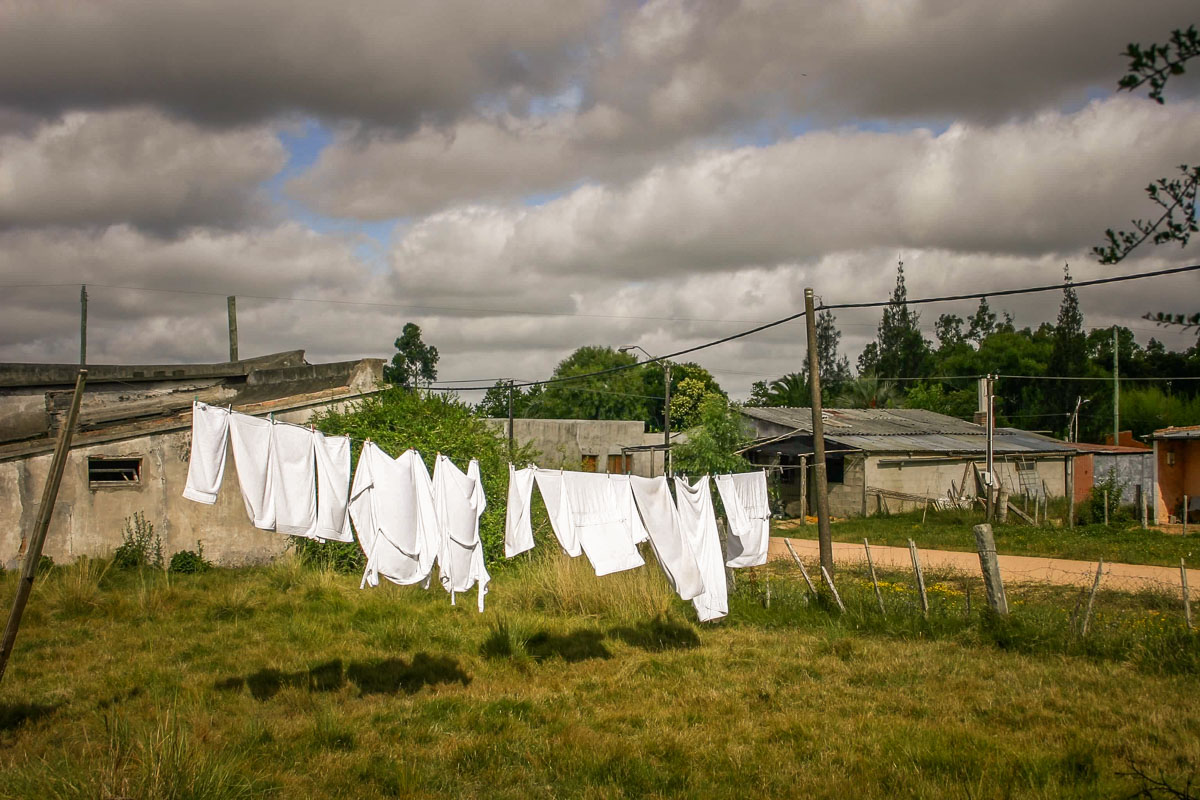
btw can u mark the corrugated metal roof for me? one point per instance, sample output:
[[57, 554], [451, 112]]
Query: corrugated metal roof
[[1186, 432], [908, 430]]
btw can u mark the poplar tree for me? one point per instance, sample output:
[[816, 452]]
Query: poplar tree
[[902, 351]]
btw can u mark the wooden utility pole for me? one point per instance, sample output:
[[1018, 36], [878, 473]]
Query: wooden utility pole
[[991, 425], [1116, 390], [233, 343], [83, 325], [824, 537], [33, 552]]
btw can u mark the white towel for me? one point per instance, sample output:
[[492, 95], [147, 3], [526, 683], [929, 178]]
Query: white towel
[[674, 552], [333, 487], [251, 439], [699, 523], [637, 530], [550, 484], [518, 527], [599, 522], [294, 479], [206, 464], [391, 504], [458, 500], [748, 512]]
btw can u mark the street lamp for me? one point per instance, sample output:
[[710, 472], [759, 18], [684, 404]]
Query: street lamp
[[666, 365]]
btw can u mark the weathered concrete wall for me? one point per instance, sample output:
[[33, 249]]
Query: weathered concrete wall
[[1132, 469], [845, 498], [563, 443], [1178, 475], [933, 479], [90, 521]]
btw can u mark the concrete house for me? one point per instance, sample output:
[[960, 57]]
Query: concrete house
[[131, 448], [591, 445], [1176, 473], [888, 460], [1133, 466]]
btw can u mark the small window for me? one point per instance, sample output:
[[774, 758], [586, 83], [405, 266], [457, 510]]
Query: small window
[[620, 463], [835, 469], [114, 471], [589, 463]]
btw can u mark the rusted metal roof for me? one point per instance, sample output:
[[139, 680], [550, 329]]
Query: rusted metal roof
[[1185, 432]]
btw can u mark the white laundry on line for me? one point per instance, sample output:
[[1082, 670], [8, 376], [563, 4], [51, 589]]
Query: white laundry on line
[[458, 501], [518, 526], [599, 522], [671, 547], [206, 462], [748, 512], [391, 504], [333, 488], [294, 479], [252, 452], [699, 524], [550, 483]]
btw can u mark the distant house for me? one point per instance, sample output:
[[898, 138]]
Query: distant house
[[1176, 473], [130, 452], [591, 445], [887, 460], [1132, 465]]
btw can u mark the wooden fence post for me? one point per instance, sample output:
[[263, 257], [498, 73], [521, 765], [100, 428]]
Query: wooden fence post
[[1106, 508], [912, 551], [1087, 614], [33, 553], [985, 543], [1187, 603], [874, 581], [800, 564], [832, 588]]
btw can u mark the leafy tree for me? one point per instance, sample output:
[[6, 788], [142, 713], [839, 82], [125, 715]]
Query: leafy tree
[[758, 395], [903, 351], [415, 363], [935, 397], [790, 390], [686, 401], [982, 323], [495, 401], [868, 359], [1068, 357], [948, 329], [712, 447], [1146, 409], [620, 394], [680, 372], [397, 419]]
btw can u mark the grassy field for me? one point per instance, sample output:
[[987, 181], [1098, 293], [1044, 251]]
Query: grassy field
[[951, 530], [289, 682]]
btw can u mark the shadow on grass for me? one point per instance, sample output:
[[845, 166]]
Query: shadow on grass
[[579, 645], [658, 634], [14, 715], [382, 676]]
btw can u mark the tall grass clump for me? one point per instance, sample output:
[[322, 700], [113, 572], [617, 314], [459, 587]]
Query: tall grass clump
[[555, 583], [75, 590], [140, 545]]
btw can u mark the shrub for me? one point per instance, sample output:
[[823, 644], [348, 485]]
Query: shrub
[[140, 546], [1091, 510], [187, 562]]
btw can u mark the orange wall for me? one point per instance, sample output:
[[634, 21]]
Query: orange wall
[[1085, 468], [1183, 477]]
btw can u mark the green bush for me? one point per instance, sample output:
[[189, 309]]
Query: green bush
[[187, 562], [1091, 510], [343, 557], [140, 546]]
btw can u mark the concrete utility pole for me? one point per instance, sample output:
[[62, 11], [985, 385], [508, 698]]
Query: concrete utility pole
[[83, 325], [33, 553], [666, 417], [510, 419], [991, 426], [1116, 389], [824, 537], [233, 343]]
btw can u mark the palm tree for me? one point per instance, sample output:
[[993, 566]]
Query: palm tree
[[868, 391], [790, 390]]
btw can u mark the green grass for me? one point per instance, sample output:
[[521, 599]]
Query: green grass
[[951, 530], [290, 682]]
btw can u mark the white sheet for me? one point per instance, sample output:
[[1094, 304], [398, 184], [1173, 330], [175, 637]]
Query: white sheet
[[518, 527], [459, 501], [252, 450], [294, 479], [550, 484], [333, 488], [748, 512], [206, 463], [599, 522], [391, 504], [699, 524], [637, 530], [674, 552]]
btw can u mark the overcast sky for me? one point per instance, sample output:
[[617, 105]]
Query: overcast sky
[[530, 176]]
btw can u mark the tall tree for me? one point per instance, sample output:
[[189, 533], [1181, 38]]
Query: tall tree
[[903, 351], [1068, 356], [835, 367], [619, 394], [982, 323], [415, 363]]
